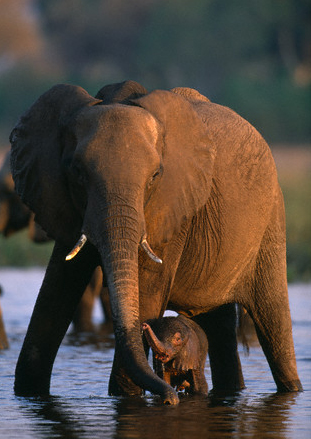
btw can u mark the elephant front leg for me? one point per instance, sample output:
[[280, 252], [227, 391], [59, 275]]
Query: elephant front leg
[[120, 384], [58, 298]]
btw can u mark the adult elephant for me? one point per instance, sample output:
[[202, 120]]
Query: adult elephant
[[146, 178]]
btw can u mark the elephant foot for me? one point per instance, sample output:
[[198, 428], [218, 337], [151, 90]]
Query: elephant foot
[[121, 385], [290, 386], [26, 385]]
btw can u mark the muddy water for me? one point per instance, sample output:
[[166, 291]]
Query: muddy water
[[80, 407]]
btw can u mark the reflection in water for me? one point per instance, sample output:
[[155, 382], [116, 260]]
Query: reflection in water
[[52, 418], [58, 418], [80, 407], [195, 417], [200, 417]]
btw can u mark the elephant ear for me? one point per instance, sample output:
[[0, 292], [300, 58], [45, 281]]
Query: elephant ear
[[121, 92], [40, 141], [188, 357], [187, 164]]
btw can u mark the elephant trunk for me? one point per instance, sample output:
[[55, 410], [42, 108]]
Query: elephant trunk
[[158, 348], [117, 240]]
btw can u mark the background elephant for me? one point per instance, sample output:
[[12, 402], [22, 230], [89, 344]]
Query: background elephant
[[16, 216], [144, 178], [179, 347], [4, 343], [82, 319]]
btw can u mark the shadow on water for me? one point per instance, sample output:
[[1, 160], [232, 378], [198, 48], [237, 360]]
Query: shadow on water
[[195, 417], [52, 418]]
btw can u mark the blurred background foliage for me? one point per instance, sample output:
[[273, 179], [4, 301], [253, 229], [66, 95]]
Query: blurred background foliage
[[253, 56]]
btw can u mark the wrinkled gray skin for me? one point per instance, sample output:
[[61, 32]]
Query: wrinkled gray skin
[[194, 178], [15, 216], [179, 348]]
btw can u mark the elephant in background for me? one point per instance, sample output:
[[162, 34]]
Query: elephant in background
[[82, 319], [179, 347], [4, 343], [16, 216], [177, 199]]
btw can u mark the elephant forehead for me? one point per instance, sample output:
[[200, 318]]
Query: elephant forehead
[[118, 139], [169, 326], [118, 122]]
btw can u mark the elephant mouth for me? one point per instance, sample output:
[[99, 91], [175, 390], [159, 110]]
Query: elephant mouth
[[164, 357]]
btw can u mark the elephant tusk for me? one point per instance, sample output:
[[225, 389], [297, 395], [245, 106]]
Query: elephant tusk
[[77, 247], [145, 245]]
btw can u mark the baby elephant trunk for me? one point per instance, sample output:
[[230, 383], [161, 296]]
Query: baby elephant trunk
[[158, 348]]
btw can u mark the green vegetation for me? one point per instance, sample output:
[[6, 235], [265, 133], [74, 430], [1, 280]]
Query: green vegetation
[[251, 56], [19, 251], [294, 167]]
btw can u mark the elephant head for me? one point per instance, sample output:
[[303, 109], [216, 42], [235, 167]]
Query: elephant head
[[124, 170], [173, 341]]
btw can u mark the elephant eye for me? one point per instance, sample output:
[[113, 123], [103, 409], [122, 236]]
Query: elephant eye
[[154, 177], [157, 172], [178, 339], [78, 174]]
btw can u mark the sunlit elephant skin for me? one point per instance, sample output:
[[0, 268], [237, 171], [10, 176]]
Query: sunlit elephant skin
[[15, 216], [189, 180], [179, 347]]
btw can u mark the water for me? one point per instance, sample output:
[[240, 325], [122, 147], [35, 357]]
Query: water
[[80, 407]]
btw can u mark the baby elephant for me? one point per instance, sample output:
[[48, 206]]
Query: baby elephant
[[179, 348]]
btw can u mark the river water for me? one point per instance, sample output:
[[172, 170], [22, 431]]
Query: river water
[[80, 408]]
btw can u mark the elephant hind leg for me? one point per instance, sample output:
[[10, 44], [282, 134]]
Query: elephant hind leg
[[270, 311], [220, 328]]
